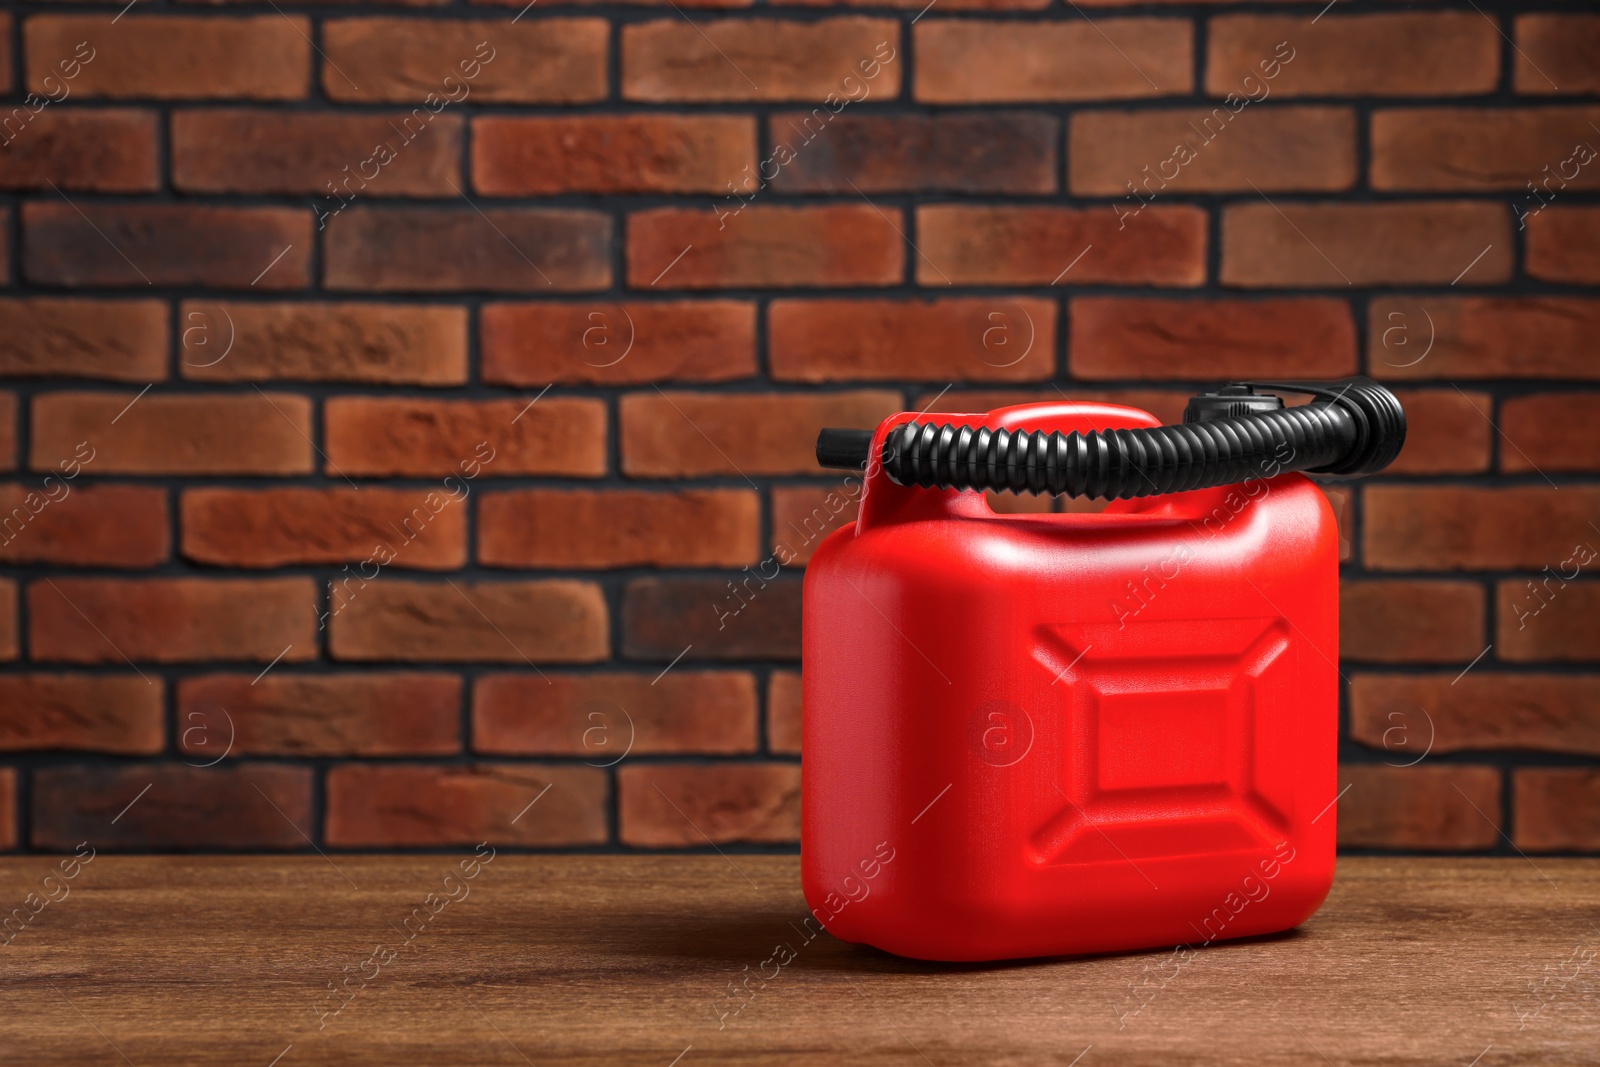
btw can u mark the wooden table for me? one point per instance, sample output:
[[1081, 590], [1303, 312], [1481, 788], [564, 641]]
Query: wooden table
[[630, 960]]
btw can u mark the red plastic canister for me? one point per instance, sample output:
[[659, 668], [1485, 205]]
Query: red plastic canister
[[1044, 734]]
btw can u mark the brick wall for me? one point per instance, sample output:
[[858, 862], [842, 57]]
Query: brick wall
[[393, 389]]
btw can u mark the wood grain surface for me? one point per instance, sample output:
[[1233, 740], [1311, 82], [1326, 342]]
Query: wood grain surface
[[658, 961]]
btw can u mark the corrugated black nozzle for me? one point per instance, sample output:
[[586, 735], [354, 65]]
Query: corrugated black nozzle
[[1351, 427]]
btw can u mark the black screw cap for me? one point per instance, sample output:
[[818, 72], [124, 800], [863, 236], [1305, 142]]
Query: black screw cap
[[1229, 401]]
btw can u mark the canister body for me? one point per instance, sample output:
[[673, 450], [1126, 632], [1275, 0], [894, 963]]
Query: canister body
[[1030, 735]]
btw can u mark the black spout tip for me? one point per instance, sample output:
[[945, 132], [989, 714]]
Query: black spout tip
[[845, 450]]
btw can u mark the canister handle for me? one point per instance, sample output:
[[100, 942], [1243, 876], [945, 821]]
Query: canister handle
[[883, 502], [1066, 416]]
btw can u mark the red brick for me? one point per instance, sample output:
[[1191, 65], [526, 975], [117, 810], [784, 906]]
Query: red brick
[[339, 342], [59, 521], [1419, 622], [247, 807], [1487, 337], [1140, 155], [1432, 53], [1292, 245], [1013, 245], [85, 245], [1557, 54], [1548, 616], [171, 620], [1557, 809], [978, 61], [369, 527], [401, 714], [49, 337], [336, 157], [584, 530], [100, 151], [428, 62], [1022, 504], [933, 340], [751, 614], [8, 431], [8, 776], [1563, 244], [598, 154], [467, 622], [233, 433], [1428, 808], [1476, 711], [1340, 499], [765, 247], [783, 712], [992, 152], [605, 717], [8, 620], [1447, 432], [1552, 431], [426, 249], [804, 515], [1485, 148], [684, 435], [465, 438], [1208, 340], [1460, 528], [170, 57], [684, 806], [844, 59], [96, 713], [601, 342], [421, 806]]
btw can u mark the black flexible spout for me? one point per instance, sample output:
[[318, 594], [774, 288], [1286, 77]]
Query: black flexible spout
[[1351, 427]]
